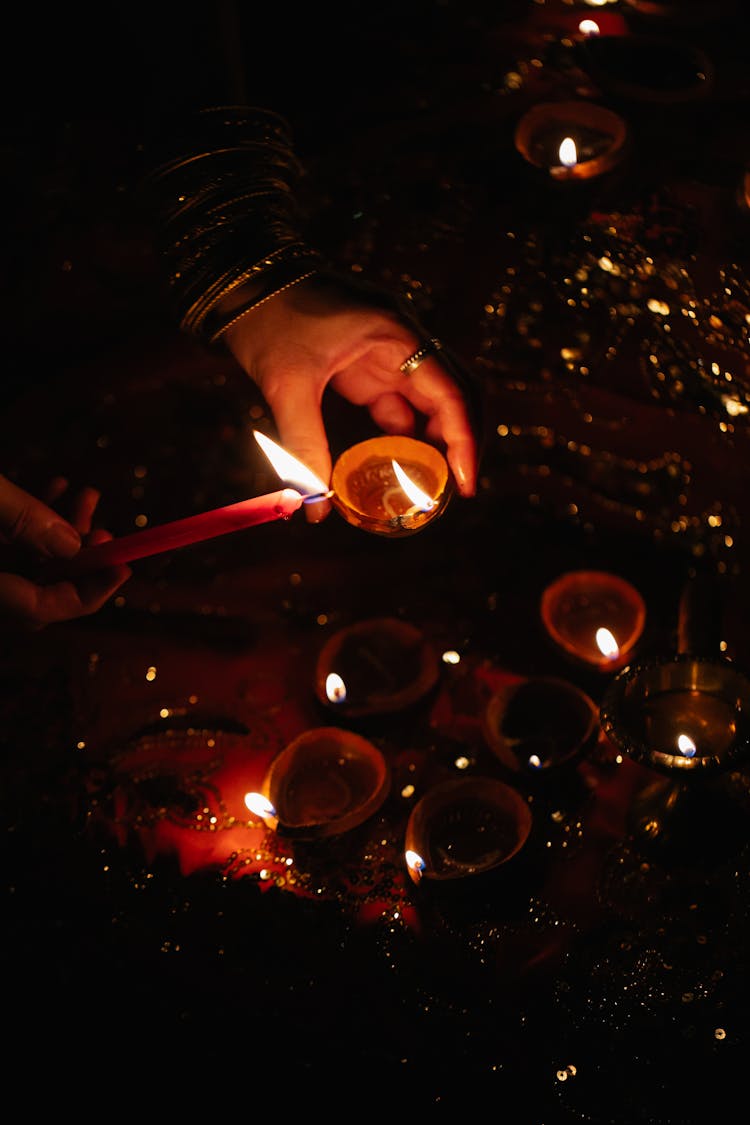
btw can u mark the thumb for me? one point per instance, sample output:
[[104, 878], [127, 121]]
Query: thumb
[[302, 434], [28, 521]]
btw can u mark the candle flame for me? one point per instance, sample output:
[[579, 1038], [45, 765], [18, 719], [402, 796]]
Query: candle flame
[[535, 762], [415, 864], [607, 644], [588, 27], [568, 152], [335, 688], [686, 745], [291, 471], [260, 806], [418, 498]]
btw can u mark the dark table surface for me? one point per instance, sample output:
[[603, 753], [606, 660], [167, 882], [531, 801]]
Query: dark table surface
[[600, 978]]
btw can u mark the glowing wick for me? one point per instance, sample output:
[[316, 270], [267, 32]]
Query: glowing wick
[[421, 501], [335, 688], [415, 863], [292, 470], [262, 807], [568, 153], [686, 745], [607, 644], [588, 27]]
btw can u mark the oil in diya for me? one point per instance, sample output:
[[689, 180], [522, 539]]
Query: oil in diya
[[325, 782], [378, 666], [594, 616], [391, 485]]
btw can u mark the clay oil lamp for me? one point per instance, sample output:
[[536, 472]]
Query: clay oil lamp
[[391, 485], [378, 666], [539, 725], [464, 828], [572, 141], [325, 782], [595, 617]]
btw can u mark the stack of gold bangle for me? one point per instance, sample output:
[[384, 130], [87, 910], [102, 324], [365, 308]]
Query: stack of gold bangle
[[222, 200]]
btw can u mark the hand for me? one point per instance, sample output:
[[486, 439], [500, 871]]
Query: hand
[[319, 333], [32, 532]]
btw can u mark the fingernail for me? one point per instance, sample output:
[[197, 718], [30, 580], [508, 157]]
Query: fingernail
[[61, 540]]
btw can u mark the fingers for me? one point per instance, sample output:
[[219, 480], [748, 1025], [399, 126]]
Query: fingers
[[55, 489], [84, 506], [28, 521], [34, 607], [393, 414], [449, 424]]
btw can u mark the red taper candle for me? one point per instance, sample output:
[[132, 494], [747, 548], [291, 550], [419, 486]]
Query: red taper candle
[[194, 529]]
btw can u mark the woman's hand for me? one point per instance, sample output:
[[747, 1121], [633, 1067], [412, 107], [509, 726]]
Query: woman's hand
[[32, 532], [319, 333]]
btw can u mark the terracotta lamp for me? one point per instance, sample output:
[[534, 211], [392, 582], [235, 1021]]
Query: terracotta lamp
[[465, 827], [377, 666], [325, 782], [572, 140], [594, 616], [540, 724], [391, 485]]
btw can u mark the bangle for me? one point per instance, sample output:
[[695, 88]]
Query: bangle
[[256, 302]]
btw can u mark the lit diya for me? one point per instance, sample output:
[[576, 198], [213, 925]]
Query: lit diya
[[594, 616], [465, 827], [378, 666], [572, 140], [687, 718], [540, 724], [391, 485], [680, 714], [325, 782]]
